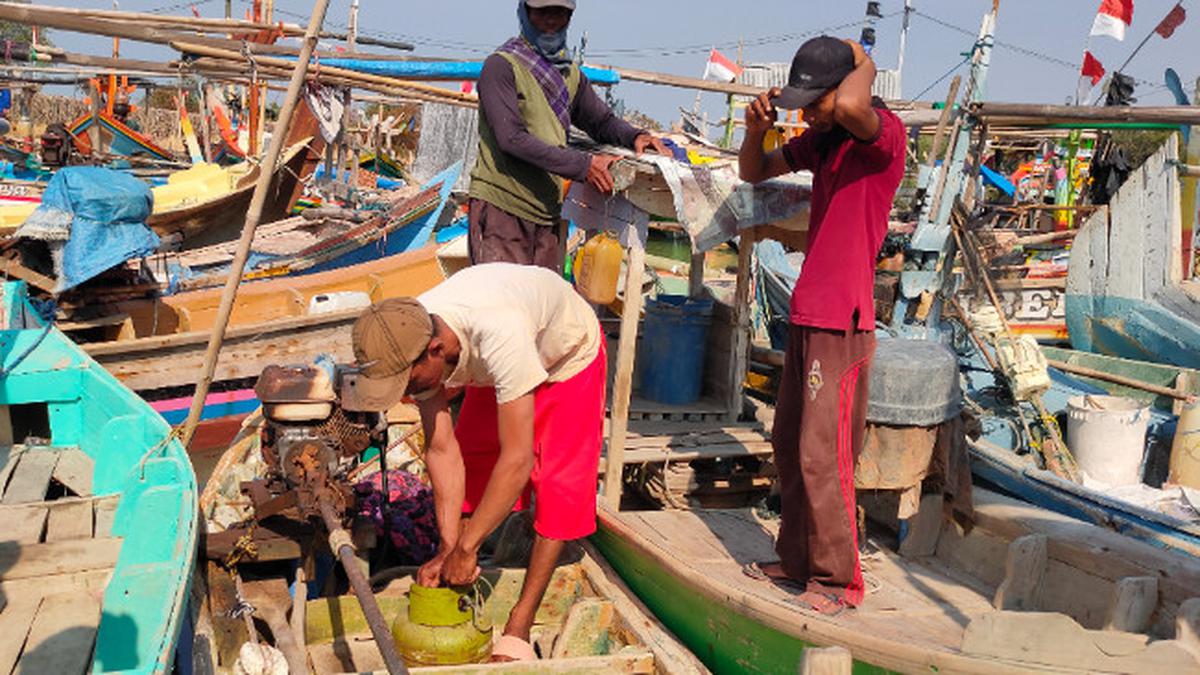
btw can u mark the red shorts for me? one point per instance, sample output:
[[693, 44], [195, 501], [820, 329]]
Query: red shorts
[[568, 427]]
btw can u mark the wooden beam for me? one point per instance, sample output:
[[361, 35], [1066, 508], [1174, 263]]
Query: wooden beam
[[1133, 603], [1118, 379], [826, 661], [623, 381], [1024, 572], [1034, 113]]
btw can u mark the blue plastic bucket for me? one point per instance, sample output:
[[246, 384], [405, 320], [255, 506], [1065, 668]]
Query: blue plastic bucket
[[674, 341]]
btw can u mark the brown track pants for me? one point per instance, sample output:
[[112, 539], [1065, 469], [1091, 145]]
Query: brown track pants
[[820, 424], [495, 235]]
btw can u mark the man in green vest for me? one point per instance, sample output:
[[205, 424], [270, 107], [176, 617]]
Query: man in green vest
[[530, 93]]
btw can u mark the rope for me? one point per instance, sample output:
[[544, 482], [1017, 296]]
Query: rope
[[45, 311]]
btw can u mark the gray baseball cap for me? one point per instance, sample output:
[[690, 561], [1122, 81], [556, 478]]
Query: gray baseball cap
[[538, 4]]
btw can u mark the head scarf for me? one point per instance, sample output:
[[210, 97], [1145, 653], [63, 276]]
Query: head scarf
[[551, 46]]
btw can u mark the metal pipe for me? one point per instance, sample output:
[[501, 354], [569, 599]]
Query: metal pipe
[[339, 540]]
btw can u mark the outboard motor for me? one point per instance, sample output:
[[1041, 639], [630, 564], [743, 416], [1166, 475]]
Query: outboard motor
[[56, 146]]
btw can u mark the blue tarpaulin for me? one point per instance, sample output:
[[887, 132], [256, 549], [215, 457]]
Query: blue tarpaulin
[[92, 219], [446, 70]]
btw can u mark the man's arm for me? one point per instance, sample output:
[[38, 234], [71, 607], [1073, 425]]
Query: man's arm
[[508, 480], [755, 165], [443, 459], [590, 113], [498, 100], [852, 102]]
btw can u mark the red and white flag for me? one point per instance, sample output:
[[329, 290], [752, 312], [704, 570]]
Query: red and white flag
[[1113, 18], [1166, 27], [720, 69], [1089, 75]]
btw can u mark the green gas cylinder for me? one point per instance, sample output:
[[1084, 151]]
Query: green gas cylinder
[[441, 628]]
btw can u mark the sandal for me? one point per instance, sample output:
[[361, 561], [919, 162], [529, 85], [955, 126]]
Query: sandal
[[513, 648], [755, 571], [823, 601]]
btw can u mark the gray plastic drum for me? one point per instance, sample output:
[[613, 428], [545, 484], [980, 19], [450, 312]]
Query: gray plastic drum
[[913, 383]]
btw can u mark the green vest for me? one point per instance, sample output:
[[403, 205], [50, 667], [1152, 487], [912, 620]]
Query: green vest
[[513, 184]]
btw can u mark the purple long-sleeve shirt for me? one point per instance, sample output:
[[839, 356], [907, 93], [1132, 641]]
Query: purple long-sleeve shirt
[[497, 90]]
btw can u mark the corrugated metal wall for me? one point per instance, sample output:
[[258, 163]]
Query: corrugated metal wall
[[767, 75]]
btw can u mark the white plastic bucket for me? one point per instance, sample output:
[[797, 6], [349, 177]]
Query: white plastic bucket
[[1107, 436]]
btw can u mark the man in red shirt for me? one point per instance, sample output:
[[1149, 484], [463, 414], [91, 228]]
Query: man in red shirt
[[855, 148]]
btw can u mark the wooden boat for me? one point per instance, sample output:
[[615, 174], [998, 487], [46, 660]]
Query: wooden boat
[[1025, 590], [207, 203], [588, 621], [99, 503], [1131, 290], [116, 136], [305, 245], [155, 346], [1001, 458]]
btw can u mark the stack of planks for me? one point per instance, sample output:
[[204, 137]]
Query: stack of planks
[[56, 558], [680, 464]]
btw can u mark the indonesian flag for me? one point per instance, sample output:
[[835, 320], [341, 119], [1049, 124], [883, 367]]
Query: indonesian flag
[[720, 69], [1113, 18], [1090, 74], [1166, 27]]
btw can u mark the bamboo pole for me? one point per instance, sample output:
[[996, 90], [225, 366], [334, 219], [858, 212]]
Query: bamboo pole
[[62, 19], [261, 188], [1031, 113], [1118, 379], [623, 380], [350, 75], [939, 135]]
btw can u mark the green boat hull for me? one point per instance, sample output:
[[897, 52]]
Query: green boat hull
[[726, 641], [135, 457]]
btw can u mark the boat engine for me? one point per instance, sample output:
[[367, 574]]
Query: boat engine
[[310, 441]]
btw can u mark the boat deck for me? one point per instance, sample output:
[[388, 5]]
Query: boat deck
[[919, 601], [56, 558]]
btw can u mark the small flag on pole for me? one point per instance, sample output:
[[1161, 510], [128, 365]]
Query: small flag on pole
[[1166, 27], [1113, 18], [1090, 74], [720, 69]]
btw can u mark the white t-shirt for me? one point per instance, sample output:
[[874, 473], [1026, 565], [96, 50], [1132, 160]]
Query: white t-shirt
[[519, 326]]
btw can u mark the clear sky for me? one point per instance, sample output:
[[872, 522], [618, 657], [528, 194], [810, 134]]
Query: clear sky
[[1040, 42]]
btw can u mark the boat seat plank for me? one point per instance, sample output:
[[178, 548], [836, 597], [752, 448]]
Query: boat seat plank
[[62, 636], [69, 520], [15, 621], [23, 524], [74, 471], [9, 454], [105, 509], [60, 557], [31, 477], [36, 588]]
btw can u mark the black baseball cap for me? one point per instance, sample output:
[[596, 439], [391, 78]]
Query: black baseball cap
[[818, 66]]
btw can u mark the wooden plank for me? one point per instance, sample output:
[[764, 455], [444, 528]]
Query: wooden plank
[[826, 661], [62, 636], [105, 509], [924, 528], [586, 630], [94, 581], [23, 524], [6, 437], [74, 470], [15, 622], [669, 655], [1134, 601], [623, 382], [1024, 571], [60, 557], [350, 655], [31, 477], [70, 520]]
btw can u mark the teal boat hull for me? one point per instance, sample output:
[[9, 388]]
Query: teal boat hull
[[136, 457]]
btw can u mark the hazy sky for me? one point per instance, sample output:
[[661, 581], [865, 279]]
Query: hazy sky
[[1040, 42]]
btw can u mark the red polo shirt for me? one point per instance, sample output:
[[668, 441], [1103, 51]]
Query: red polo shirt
[[854, 183]]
